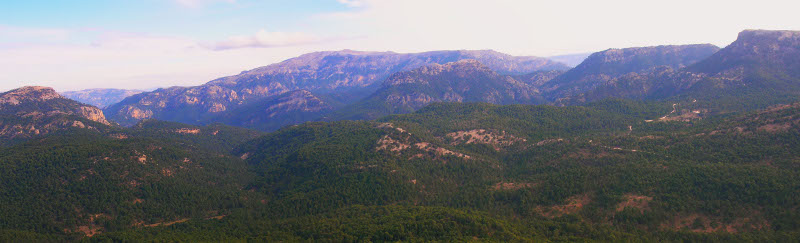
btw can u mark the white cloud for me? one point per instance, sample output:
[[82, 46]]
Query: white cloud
[[265, 39]]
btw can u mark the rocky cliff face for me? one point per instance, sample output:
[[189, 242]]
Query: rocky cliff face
[[461, 81], [319, 72], [100, 97], [34, 110], [604, 66]]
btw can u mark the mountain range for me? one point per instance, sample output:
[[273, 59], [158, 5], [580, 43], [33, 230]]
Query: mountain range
[[685, 143], [356, 74]]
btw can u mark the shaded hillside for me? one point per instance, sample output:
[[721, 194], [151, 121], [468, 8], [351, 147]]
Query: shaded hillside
[[759, 69], [604, 164], [603, 66], [538, 78], [269, 114], [85, 183], [462, 81]]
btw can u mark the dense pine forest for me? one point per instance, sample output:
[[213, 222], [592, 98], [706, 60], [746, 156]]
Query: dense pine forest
[[609, 171]]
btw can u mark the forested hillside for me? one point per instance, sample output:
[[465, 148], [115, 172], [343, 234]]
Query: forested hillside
[[609, 170]]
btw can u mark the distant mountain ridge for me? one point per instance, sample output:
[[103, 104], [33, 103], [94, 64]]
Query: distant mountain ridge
[[100, 97], [759, 69], [603, 66], [571, 60], [348, 82], [319, 72]]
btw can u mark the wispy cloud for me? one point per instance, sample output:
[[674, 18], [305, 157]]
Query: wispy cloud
[[266, 39], [107, 58]]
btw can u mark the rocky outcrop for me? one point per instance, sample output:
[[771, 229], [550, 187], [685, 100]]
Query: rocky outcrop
[[35, 110], [92, 113], [28, 94]]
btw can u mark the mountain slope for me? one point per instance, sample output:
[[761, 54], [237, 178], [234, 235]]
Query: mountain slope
[[599, 164], [30, 111], [603, 66], [757, 70], [100, 97], [462, 81], [274, 112], [319, 72]]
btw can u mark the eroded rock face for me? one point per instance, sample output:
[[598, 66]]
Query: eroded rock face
[[92, 113], [137, 113]]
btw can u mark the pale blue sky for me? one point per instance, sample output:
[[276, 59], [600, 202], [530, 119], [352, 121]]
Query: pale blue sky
[[142, 44]]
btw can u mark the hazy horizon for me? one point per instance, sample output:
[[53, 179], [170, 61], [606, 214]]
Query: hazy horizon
[[159, 43]]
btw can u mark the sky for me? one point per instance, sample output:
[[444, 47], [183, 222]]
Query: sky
[[145, 44]]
